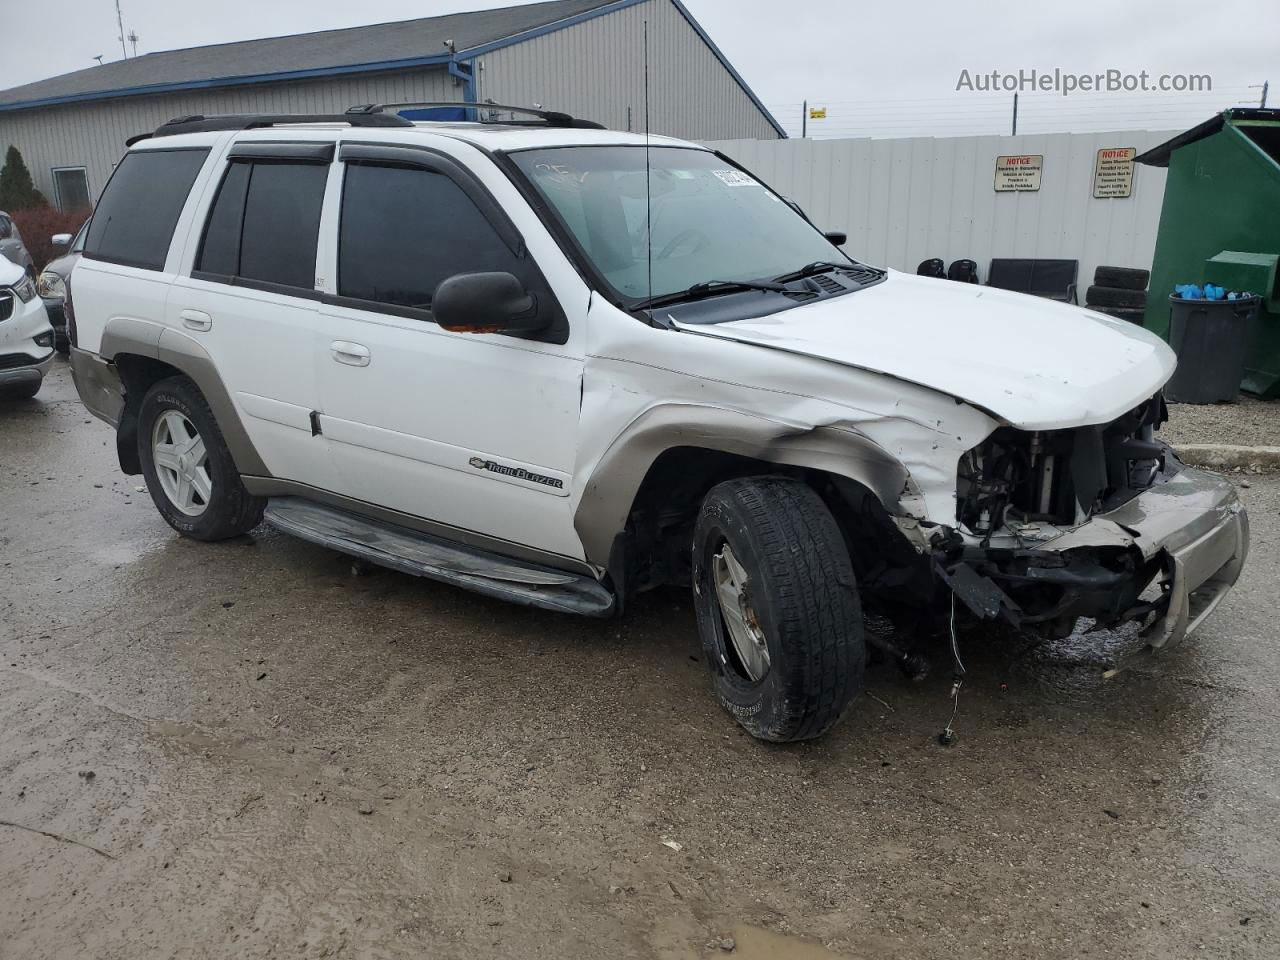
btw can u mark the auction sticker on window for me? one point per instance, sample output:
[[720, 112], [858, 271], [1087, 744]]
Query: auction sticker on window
[[735, 178], [1018, 174], [1113, 172]]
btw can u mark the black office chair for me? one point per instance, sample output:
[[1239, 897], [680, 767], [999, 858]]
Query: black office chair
[[932, 268], [963, 271]]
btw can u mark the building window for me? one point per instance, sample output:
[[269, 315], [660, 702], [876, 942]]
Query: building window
[[71, 189]]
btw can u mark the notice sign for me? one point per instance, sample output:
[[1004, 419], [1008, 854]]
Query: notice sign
[[1113, 172], [1018, 174]]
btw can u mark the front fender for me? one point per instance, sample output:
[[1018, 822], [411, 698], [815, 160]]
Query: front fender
[[610, 485]]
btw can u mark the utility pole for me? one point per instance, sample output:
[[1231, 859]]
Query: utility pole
[[1015, 114], [804, 119], [1264, 85], [133, 40], [124, 54]]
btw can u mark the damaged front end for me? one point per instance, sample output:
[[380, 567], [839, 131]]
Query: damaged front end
[[1099, 521]]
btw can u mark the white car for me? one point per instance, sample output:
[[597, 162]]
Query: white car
[[502, 356], [26, 338]]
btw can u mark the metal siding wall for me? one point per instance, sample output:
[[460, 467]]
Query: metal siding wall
[[92, 135], [596, 70], [904, 201]]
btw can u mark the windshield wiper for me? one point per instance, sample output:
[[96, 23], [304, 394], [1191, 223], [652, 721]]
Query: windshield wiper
[[808, 270], [708, 288]]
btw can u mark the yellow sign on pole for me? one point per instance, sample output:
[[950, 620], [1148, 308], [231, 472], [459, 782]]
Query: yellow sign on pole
[[817, 113]]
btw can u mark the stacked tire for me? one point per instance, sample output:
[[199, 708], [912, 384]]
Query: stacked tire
[[1120, 292]]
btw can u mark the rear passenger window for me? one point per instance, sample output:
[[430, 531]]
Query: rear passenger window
[[134, 220], [403, 230], [264, 224]]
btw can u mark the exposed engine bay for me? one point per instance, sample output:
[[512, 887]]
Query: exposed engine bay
[[1019, 489], [1060, 476]]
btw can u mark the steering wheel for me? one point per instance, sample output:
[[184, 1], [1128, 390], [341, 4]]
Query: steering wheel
[[699, 239]]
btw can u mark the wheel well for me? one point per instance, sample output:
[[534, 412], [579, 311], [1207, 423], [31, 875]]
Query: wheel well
[[137, 374], [654, 549]]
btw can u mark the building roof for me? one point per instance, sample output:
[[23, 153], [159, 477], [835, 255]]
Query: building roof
[[406, 43]]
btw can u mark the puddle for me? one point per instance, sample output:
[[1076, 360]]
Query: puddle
[[753, 943]]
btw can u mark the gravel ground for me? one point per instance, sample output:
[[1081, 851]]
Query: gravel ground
[[243, 750], [1251, 422]]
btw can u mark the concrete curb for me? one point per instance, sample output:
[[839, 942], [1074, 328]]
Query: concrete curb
[[1227, 456]]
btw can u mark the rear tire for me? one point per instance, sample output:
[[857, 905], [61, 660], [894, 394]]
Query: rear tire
[[800, 605], [200, 493], [1125, 278], [1097, 296]]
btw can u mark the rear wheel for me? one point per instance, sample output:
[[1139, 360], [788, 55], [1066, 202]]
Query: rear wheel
[[189, 471], [778, 607]]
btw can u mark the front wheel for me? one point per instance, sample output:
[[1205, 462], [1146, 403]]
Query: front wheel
[[778, 607], [190, 473]]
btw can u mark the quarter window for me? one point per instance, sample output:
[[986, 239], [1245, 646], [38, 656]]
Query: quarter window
[[404, 230], [134, 220], [264, 224]]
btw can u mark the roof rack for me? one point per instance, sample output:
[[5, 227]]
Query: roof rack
[[551, 118], [202, 124]]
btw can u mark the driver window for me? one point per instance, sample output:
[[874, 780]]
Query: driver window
[[404, 229]]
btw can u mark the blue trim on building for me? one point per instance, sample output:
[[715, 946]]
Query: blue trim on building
[[460, 65], [215, 82], [546, 28], [614, 8]]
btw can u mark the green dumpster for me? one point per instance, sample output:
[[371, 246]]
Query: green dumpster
[[1220, 224]]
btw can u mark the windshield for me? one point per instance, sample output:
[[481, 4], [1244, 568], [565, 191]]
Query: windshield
[[710, 221]]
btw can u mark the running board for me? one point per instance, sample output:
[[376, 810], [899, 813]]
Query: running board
[[423, 555]]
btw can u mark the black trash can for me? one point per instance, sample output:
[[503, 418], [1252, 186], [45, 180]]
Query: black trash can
[[1209, 337]]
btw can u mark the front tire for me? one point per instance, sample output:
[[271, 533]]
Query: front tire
[[778, 607], [190, 473]]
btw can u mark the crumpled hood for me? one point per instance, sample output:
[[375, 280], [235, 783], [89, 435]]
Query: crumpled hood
[[1034, 363]]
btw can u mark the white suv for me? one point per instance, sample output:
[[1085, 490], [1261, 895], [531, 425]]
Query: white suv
[[26, 338], [558, 365]]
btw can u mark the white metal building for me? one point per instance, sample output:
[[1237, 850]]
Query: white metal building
[[584, 57], [906, 200]]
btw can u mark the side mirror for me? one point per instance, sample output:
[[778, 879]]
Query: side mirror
[[61, 240], [837, 238], [485, 303]]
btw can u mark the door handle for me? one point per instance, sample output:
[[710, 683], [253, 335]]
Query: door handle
[[355, 354], [196, 320]]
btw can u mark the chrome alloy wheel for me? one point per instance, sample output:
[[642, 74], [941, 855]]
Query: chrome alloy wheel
[[744, 629], [182, 463]]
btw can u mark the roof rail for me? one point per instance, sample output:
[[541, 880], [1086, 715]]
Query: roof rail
[[552, 118], [202, 124]]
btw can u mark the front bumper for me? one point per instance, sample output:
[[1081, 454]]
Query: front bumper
[[1195, 527], [1188, 534], [27, 373], [57, 315]]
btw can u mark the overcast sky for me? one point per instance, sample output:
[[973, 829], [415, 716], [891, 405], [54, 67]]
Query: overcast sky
[[879, 66]]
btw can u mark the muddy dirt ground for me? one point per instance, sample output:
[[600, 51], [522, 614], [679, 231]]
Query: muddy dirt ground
[[243, 750]]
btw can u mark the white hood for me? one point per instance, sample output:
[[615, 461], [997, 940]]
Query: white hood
[[1034, 363], [10, 272]]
